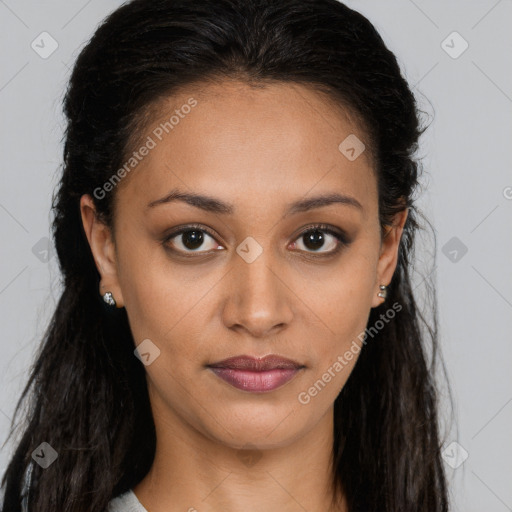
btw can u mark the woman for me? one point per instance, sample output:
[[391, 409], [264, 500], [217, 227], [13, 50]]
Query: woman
[[235, 226]]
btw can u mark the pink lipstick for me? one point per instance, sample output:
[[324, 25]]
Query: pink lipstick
[[256, 374]]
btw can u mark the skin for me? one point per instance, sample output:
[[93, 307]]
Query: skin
[[258, 149]]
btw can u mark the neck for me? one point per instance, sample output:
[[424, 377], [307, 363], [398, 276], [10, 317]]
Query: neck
[[195, 473]]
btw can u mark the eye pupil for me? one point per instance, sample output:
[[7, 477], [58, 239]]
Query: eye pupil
[[192, 239], [314, 239]]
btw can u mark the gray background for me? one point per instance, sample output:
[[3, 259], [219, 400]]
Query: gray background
[[468, 198]]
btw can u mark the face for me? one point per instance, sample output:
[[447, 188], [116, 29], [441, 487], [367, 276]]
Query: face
[[259, 264]]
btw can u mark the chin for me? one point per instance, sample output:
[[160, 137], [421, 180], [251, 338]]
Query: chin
[[260, 427]]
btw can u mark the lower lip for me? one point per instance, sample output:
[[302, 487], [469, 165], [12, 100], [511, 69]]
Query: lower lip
[[255, 381]]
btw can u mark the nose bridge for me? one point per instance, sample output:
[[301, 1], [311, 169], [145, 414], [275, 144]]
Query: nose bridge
[[259, 301]]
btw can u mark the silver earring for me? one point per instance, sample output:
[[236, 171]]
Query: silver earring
[[383, 291], [109, 299]]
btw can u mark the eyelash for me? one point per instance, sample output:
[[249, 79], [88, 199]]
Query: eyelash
[[340, 236]]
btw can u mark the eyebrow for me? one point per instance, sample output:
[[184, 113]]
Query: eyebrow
[[211, 204]]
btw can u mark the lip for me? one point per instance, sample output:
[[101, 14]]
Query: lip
[[256, 374], [257, 364]]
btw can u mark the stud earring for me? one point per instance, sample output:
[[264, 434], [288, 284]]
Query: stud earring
[[383, 291], [109, 299]]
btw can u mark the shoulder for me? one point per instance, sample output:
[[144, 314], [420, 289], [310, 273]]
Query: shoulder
[[126, 502]]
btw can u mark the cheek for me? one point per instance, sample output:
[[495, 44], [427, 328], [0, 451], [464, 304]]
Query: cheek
[[343, 303], [336, 354], [346, 293], [163, 302]]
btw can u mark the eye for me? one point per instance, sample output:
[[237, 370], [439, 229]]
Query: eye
[[191, 239], [321, 239]]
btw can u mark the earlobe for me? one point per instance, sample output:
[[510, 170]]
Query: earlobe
[[102, 248], [389, 255]]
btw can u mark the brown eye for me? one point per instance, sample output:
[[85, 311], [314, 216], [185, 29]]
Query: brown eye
[[191, 239], [320, 239]]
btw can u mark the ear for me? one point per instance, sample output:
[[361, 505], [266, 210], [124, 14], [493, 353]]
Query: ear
[[389, 254], [102, 248]]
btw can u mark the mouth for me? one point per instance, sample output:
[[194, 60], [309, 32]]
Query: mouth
[[256, 374]]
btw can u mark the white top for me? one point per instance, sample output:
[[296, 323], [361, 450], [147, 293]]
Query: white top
[[126, 502]]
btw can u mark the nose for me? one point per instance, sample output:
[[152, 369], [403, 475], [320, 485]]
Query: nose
[[260, 300]]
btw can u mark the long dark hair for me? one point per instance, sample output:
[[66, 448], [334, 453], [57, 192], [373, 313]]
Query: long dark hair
[[88, 394]]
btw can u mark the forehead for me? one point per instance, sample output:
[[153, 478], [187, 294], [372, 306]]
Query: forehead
[[234, 140]]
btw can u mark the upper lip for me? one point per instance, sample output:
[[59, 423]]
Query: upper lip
[[257, 364]]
